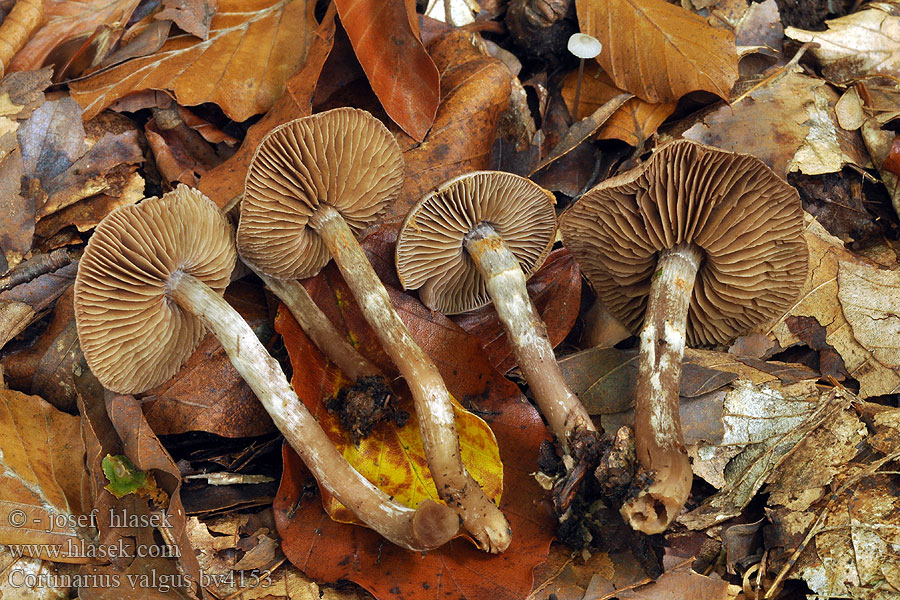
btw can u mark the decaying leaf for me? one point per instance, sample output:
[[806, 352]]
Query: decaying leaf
[[864, 43], [667, 53], [789, 124], [44, 497], [822, 299], [25, 568], [215, 69], [839, 520], [192, 16], [385, 37]]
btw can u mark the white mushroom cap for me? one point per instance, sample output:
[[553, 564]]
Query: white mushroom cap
[[583, 45]]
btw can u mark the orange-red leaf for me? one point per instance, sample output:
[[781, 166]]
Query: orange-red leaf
[[252, 49], [391, 457], [659, 51], [327, 550], [385, 38]]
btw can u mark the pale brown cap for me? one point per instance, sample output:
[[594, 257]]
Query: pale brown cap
[[746, 219], [345, 158], [133, 337], [430, 253]]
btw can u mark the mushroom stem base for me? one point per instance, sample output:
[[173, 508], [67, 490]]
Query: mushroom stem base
[[657, 426], [319, 328], [527, 334], [427, 527], [480, 516]]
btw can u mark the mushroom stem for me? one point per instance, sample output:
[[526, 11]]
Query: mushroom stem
[[657, 426], [480, 516], [527, 334], [331, 342], [578, 87], [426, 527]]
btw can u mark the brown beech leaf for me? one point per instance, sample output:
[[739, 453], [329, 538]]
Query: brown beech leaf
[[216, 69], [43, 484], [226, 182], [858, 45], [329, 551], [852, 299], [16, 212], [385, 37], [193, 16], [667, 52], [633, 123], [66, 20], [207, 393], [555, 290], [475, 94]]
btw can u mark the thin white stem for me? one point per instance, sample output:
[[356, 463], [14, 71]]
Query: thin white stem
[[657, 426], [331, 342], [527, 334], [428, 526], [480, 516]]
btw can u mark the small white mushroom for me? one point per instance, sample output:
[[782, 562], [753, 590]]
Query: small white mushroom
[[583, 46]]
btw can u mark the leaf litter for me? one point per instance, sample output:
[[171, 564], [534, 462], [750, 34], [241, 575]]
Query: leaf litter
[[793, 430]]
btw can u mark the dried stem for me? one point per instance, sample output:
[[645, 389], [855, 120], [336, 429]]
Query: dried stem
[[331, 342], [480, 516], [527, 334], [428, 526], [657, 426]]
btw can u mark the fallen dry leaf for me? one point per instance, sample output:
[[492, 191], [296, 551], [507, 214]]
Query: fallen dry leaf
[[667, 53], [392, 458], [329, 551], [789, 123], [215, 70], [192, 16], [66, 20], [633, 123], [207, 393], [555, 290], [821, 299], [861, 44], [225, 183], [682, 584], [44, 497], [475, 93], [385, 37]]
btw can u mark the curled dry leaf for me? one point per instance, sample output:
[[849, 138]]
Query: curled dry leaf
[[215, 70], [44, 484], [192, 16], [861, 44], [385, 38], [66, 20], [17, 27], [870, 354], [668, 53], [633, 123]]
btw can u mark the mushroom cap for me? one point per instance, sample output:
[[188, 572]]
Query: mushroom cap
[[746, 219], [430, 253], [583, 45], [345, 158], [132, 335]]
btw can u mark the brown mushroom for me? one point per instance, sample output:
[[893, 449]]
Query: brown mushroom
[[476, 239], [313, 185], [703, 245], [148, 285]]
